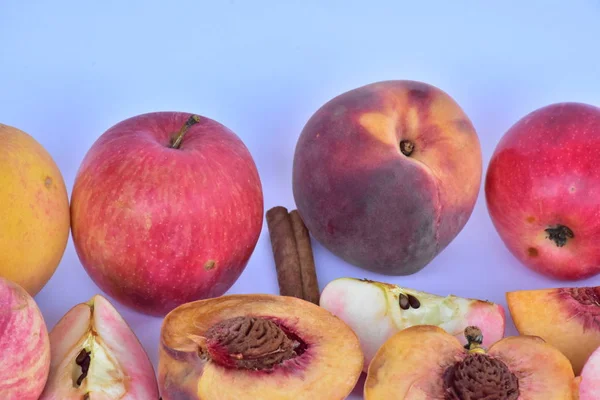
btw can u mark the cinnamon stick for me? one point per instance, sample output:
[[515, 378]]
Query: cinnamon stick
[[285, 253], [310, 285]]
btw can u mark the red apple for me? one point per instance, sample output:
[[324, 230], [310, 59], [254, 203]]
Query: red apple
[[542, 189], [166, 209], [386, 175]]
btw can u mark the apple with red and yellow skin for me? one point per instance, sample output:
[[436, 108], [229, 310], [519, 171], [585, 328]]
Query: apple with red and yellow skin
[[386, 175], [542, 188], [166, 209]]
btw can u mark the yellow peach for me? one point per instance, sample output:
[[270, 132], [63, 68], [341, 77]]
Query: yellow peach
[[35, 211]]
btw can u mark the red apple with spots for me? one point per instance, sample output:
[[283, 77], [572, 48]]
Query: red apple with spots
[[166, 209], [542, 189], [386, 175]]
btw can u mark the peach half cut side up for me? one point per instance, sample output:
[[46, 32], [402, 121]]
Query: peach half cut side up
[[568, 318], [425, 362], [377, 310], [257, 346]]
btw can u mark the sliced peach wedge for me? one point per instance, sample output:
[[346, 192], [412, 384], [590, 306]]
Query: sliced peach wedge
[[96, 356], [377, 310], [425, 362], [256, 346], [567, 318]]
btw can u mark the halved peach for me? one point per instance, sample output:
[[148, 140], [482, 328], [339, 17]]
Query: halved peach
[[567, 318], [425, 362], [96, 356], [256, 347], [377, 310]]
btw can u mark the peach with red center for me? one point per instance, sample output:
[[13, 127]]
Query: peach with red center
[[256, 347], [567, 317]]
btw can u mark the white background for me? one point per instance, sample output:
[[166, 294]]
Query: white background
[[70, 69]]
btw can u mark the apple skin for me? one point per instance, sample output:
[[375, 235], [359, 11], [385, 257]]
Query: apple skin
[[156, 227], [544, 173], [366, 201], [24, 344]]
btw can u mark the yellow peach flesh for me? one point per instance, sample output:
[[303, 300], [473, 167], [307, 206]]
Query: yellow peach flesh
[[411, 364], [543, 313], [328, 369]]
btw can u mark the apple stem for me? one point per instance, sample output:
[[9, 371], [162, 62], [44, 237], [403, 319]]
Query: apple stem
[[176, 142], [559, 234]]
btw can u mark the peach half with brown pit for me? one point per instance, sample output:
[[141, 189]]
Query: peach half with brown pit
[[425, 362], [96, 356], [255, 346], [567, 318]]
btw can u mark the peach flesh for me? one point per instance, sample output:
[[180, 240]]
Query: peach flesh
[[118, 367], [373, 310], [386, 175], [567, 318], [415, 363], [24, 344], [197, 362]]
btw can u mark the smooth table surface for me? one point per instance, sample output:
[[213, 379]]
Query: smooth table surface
[[69, 70]]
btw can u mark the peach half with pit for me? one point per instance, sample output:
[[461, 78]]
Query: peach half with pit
[[425, 362], [256, 346], [377, 310], [567, 317], [96, 356]]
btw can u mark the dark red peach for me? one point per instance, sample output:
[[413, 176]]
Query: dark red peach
[[386, 175]]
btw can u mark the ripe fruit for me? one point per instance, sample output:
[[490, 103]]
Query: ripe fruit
[[34, 211], [96, 356], [541, 189], [161, 219], [566, 318], [375, 311], [256, 347], [425, 362], [588, 384], [386, 175], [24, 344]]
